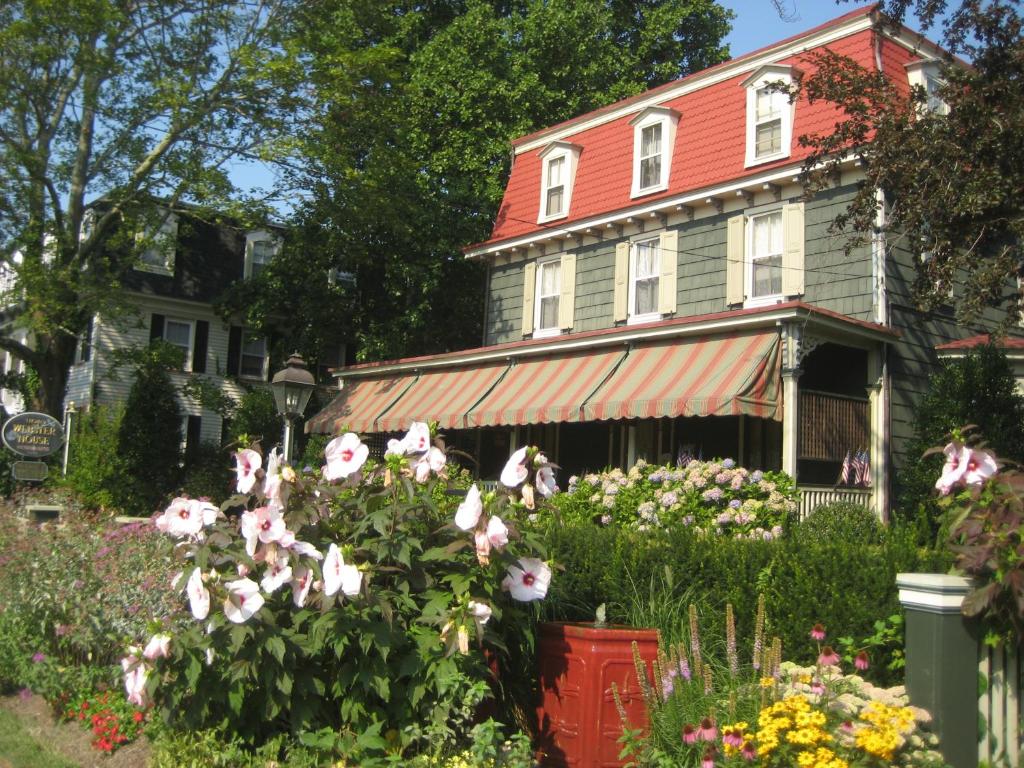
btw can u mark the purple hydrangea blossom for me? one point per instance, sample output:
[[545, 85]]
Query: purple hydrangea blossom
[[712, 494], [756, 476], [735, 504], [728, 463]]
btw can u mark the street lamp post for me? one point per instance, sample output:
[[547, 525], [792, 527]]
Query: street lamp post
[[292, 388]]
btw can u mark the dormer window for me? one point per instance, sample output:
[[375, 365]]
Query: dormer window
[[260, 249], [654, 132], [769, 114], [158, 242], [925, 74], [558, 171]]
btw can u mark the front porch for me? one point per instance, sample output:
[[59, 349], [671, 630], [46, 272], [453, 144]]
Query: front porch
[[790, 388]]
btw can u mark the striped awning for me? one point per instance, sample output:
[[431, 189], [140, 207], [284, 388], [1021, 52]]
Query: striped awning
[[545, 389], [359, 404], [704, 376], [443, 395]]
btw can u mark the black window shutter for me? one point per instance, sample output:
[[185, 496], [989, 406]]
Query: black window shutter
[[199, 348], [234, 350], [156, 327], [192, 437], [87, 341], [271, 362]]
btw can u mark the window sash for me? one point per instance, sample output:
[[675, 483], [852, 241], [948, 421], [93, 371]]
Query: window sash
[[262, 253], [555, 186], [646, 269], [650, 156], [252, 361], [768, 122], [547, 293], [179, 333], [766, 255]]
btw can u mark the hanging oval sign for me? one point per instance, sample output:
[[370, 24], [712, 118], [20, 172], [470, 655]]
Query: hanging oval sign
[[33, 434]]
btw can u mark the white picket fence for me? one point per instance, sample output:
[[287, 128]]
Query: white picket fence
[[999, 706]]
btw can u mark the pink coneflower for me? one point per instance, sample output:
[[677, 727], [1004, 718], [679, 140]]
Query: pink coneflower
[[707, 731], [748, 752], [708, 761], [689, 734], [732, 735], [846, 726], [860, 661], [818, 632], [817, 687], [828, 657]]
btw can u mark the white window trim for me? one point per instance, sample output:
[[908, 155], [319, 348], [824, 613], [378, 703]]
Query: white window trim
[[920, 73], [748, 260], [260, 236], [86, 342], [772, 73], [553, 151], [555, 330], [166, 231], [187, 362], [647, 317], [668, 119], [264, 369]]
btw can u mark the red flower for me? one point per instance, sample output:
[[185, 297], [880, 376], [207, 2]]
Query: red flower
[[137, 717]]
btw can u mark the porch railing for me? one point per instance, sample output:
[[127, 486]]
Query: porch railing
[[813, 496]]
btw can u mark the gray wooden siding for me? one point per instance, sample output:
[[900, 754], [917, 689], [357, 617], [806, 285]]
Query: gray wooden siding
[[833, 280]]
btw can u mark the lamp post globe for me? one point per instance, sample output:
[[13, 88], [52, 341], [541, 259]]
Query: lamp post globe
[[292, 388]]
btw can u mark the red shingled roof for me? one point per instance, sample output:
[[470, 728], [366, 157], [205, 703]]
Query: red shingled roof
[[709, 149], [1007, 342]]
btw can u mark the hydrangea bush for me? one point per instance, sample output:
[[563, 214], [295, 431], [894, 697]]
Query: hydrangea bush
[[345, 604], [714, 497]]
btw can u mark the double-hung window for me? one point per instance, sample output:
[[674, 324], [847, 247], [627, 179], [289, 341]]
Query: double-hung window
[[925, 74], [545, 302], [645, 268], [765, 263], [558, 171], [252, 362], [179, 334], [765, 255], [260, 249], [769, 114], [158, 243], [654, 131]]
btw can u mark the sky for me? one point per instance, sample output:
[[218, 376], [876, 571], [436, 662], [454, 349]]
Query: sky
[[756, 25]]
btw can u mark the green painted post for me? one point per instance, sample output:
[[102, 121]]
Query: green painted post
[[942, 661]]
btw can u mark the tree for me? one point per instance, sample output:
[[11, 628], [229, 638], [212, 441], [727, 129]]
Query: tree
[[979, 389], [149, 437], [408, 157], [952, 182], [108, 103]]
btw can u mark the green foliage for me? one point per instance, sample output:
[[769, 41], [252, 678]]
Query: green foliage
[[840, 521], [978, 389], [95, 472], [313, 450], [432, 95], [177, 91], [208, 474], [73, 594], [965, 218], [846, 585], [256, 418], [377, 672], [713, 497], [149, 437], [218, 748], [884, 649]]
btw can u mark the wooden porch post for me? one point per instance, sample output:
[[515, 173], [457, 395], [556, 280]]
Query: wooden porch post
[[792, 337], [878, 417]]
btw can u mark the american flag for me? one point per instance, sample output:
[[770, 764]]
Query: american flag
[[844, 474], [861, 469]]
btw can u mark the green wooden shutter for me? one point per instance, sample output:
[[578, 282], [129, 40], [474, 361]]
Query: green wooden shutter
[[567, 293]]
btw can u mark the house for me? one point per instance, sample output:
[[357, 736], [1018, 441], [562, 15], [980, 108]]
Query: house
[[1012, 347], [185, 266], [658, 284]]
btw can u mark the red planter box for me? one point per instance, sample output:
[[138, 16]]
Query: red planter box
[[579, 725]]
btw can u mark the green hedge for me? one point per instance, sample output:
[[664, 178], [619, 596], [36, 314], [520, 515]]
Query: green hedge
[[845, 585]]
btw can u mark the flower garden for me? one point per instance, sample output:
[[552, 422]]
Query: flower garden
[[380, 613]]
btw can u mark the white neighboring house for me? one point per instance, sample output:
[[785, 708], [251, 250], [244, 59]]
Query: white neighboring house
[[173, 288]]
